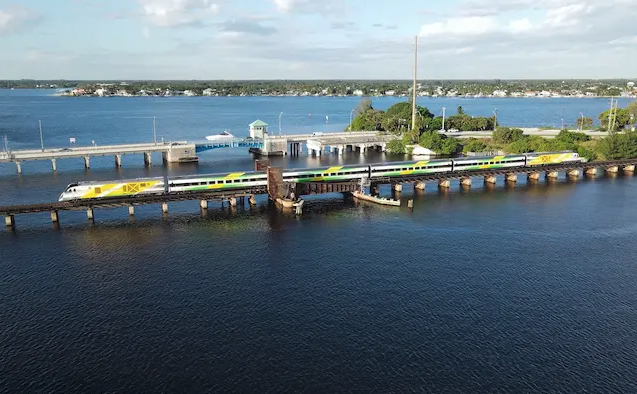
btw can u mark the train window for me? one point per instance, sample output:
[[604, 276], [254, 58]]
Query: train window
[[98, 190]]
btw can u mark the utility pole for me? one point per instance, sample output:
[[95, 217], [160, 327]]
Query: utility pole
[[443, 117], [413, 104], [41, 139], [154, 131], [581, 126]]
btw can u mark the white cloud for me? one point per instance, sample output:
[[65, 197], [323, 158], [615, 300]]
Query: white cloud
[[172, 13], [309, 6], [146, 32], [520, 26], [15, 18], [464, 26]]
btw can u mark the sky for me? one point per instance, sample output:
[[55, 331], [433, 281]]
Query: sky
[[317, 39]]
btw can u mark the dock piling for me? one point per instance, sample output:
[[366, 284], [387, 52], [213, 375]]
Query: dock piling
[[131, 210], [54, 165], [55, 217], [147, 158], [118, 161], [87, 162], [18, 165], [89, 214]]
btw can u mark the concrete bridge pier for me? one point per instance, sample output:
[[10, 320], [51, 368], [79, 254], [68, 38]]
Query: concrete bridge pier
[[629, 169], [572, 173], [55, 217], [90, 214], [18, 165], [54, 165], [203, 204], [490, 179], [420, 186], [147, 158], [252, 200], [9, 221], [362, 148], [444, 183], [87, 162], [465, 181], [612, 170], [533, 176], [131, 210], [398, 187], [552, 175], [164, 207], [590, 171], [233, 202], [118, 161], [511, 177]]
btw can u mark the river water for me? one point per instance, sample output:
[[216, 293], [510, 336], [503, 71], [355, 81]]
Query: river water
[[531, 288]]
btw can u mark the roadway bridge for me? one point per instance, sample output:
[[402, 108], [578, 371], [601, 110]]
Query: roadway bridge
[[276, 190], [184, 151]]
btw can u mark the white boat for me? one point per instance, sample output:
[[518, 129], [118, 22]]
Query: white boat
[[224, 136]]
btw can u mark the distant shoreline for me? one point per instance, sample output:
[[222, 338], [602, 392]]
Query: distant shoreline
[[350, 96]]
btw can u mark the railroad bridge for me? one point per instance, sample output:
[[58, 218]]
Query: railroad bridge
[[287, 194]]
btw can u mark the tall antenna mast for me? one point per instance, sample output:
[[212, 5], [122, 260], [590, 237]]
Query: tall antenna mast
[[413, 104]]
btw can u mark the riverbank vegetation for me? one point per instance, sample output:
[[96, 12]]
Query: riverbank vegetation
[[397, 120], [449, 88]]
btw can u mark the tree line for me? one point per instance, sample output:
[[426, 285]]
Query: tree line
[[398, 120]]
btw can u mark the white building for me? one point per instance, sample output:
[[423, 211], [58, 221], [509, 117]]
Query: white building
[[258, 129]]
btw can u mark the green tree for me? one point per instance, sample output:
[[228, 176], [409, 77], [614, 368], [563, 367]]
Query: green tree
[[506, 135], [474, 145], [584, 123], [460, 110], [570, 137], [363, 106], [396, 146], [586, 153], [618, 146]]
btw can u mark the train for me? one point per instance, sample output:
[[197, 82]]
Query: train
[[242, 180]]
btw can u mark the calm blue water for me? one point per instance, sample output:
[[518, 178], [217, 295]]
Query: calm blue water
[[531, 288]]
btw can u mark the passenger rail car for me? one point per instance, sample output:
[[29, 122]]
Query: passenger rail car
[[242, 180]]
